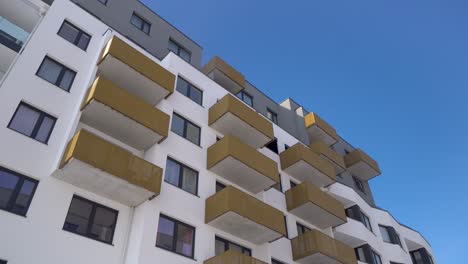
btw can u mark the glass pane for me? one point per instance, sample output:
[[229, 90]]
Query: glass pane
[[8, 183], [165, 233], [182, 86], [67, 80], [103, 224], [49, 70], [235, 247], [24, 196], [172, 172], [189, 180], [83, 42], [24, 120], [177, 125], [184, 244], [146, 27], [385, 234], [174, 47], [196, 95], [78, 216], [360, 254], [219, 247], [45, 129], [193, 133], [136, 21], [248, 100], [185, 55], [68, 32]]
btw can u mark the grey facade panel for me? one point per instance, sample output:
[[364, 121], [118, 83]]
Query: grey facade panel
[[117, 14]]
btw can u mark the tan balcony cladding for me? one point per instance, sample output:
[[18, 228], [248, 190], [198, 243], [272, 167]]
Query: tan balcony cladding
[[233, 257], [241, 164], [361, 165], [316, 247], [225, 75], [326, 152], [135, 72], [230, 116], [244, 216], [319, 130], [303, 164], [98, 166], [315, 206], [123, 116]]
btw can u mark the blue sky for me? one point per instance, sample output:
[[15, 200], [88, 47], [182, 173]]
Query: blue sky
[[390, 76]]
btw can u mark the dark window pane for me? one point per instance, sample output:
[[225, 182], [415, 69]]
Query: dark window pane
[[219, 186], [83, 42], [49, 70], [136, 21], [44, 131], [189, 180], [182, 86], [25, 120], [8, 182], [196, 95], [78, 216], [173, 47], [177, 125], [219, 247], [67, 80], [166, 234], [185, 55], [24, 196], [68, 32], [193, 133], [172, 172], [184, 244], [103, 224], [273, 146]]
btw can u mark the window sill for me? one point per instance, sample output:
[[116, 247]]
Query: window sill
[[179, 254]]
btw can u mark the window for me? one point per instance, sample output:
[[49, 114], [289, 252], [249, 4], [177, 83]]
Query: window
[[3, 261], [74, 35], [293, 184], [358, 183], [377, 259], [366, 254], [180, 51], [140, 23], [91, 220], [301, 229], [354, 212], [175, 236], [189, 90], [219, 186], [274, 261], [272, 116], [16, 191], [181, 176], [56, 73], [273, 146], [421, 256], [286, 147], [185, 129], [222, 245], [104, 2], [32, 122], [390, 235], [245, 97]]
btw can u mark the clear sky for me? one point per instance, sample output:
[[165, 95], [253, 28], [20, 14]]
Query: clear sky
[[391, 76]]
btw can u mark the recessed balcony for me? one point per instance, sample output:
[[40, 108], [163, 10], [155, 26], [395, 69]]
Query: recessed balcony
[[244, 216], [319, 130], [233, 257], [224, 74], [303, 164], [316, 247], [241, 164], [96, 165], [230, 116], [123, 116], [361, 165], [315, 206], [135, 72], [326, 152]]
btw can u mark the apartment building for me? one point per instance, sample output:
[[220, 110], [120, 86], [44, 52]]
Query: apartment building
[[118, 146]]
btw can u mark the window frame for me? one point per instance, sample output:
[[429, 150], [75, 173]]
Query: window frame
[[375, 256], [61, 74], [78, 37], [189, 90], [303, 228], [143, 20], [38, 124], [227, 242], [174, 242], [186, 121], [273, 114], [17, 189], [104, 2], [179, 48], [241, 94], [91, 219], [359, 184], [181, 174]]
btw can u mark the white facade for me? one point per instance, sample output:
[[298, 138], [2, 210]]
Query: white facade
[[39, 236]]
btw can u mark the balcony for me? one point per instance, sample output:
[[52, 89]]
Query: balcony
[[326, 152], [233, 257], [361, 165], [241, 164], [135, 72], [303, 164], [316, 247], [230, 116], [320, 130], [225, 75], [311, 204], [98, 166], [244, 216], [123, 116], [354, 234]]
